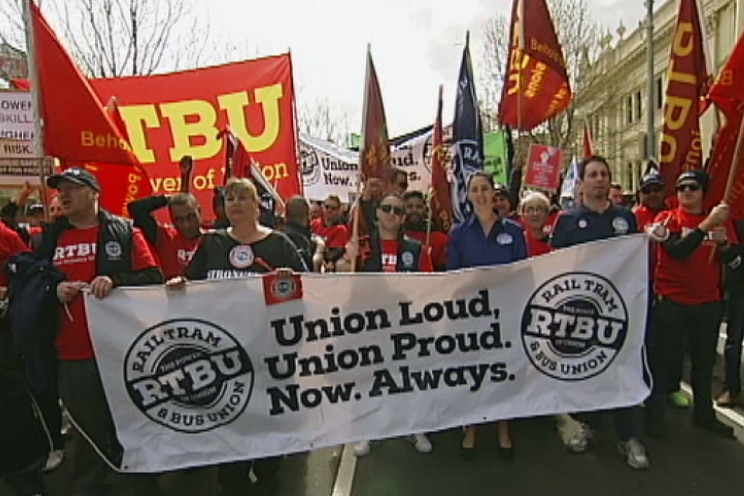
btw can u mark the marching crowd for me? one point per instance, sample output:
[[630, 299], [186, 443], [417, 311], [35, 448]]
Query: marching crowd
[[695, 267]]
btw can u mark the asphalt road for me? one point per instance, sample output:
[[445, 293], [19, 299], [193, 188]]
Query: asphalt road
[[688, 462]]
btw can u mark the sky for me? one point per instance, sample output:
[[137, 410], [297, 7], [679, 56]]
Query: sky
[[416, 45]]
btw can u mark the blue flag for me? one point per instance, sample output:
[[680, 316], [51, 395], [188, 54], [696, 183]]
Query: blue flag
[[467, 137]]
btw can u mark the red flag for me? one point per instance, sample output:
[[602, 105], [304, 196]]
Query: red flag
[[441, 198], [537, 86], [20, 84], [728, 95], [76, 127], [374, 154], [687, 85], [243, 165], [589, 149]]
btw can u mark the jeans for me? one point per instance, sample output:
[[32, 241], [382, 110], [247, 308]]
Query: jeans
[[623, 418], [734, 336]]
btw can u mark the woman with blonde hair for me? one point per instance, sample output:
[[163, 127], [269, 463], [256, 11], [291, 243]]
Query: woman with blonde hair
[[244, 249]]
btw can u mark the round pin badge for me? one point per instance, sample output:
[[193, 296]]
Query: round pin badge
[[583, 223], [504, 239], [241, 256], [407, 258], [113, 249], [620, 225]]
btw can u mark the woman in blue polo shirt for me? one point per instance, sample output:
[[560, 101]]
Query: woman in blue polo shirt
[[484, 239]]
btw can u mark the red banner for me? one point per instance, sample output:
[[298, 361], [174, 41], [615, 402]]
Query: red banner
[[543, 168], [374, 154], [537, 86], [441, 199], [681, 146], [76, 127], [172, 115], [728, 94]]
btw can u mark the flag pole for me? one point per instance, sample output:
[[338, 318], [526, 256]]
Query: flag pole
[[33, 72], [520, 51]]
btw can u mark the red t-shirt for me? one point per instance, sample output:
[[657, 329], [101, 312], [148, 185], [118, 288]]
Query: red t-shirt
[[10, 244], [335, 236], [696, 279], [75, 256], [645, 217], [174, 251], [389, 253], [438, 242], [537, 246]]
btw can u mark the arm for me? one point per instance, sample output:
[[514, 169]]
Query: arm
[[454, 256], [319, 254], [559, 237], [197, 269], [145, 270], [141, 213], [520, 247]]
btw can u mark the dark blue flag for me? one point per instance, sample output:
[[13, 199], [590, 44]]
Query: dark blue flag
[[467, 137]]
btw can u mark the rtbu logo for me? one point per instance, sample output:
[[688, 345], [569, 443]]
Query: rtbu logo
[[574, 326], [188, 375]]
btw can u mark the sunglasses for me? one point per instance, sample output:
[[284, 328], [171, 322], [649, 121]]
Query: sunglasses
[[330, 207], [652, 189], [390, 208], [688, 187]]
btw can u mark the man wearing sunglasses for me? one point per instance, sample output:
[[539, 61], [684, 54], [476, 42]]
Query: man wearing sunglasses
[[386, 249], [692, 245], [332, 230]]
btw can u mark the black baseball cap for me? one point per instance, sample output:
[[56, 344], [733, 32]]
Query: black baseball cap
[[699, 176], [35, 208], [74, 175], [652, 179]]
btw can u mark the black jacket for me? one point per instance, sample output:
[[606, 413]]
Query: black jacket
[[302, 238], [114, 263], [409, 255]]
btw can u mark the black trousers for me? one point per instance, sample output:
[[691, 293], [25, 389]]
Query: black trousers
[[734, 338], [674, 325]]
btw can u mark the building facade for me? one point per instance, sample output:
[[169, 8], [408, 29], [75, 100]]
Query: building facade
[[616, 85]]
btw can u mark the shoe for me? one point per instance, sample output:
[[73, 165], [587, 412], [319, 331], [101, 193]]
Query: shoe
[[361, 449], [580, 441], [714, 426], [679, 400], [54, 460], [421, 443], [635, 454], [727, 399]]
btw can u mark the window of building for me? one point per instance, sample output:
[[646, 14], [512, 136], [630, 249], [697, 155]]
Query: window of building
[[659, 92], [638, 105], [629, 110]]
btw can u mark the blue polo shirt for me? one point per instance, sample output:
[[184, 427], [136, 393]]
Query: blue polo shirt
[[469, 246], [581, 225]]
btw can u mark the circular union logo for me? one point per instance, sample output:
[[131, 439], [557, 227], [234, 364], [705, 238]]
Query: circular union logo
[[310, 166], [188, 375], [241, 256], [113, 249], [574, 326], [283, 289]]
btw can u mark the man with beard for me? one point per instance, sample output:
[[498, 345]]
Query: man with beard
[[332, 230], [416, 228]]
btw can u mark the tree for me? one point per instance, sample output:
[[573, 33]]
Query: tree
[[579, 34], [319, 119], [111, 38]]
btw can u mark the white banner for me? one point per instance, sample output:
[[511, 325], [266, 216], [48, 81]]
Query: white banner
[[16, 125], [212, 373], [328, 169]]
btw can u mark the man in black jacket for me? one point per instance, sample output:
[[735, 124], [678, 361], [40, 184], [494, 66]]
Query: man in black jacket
[[297, 227], [97, 252]]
